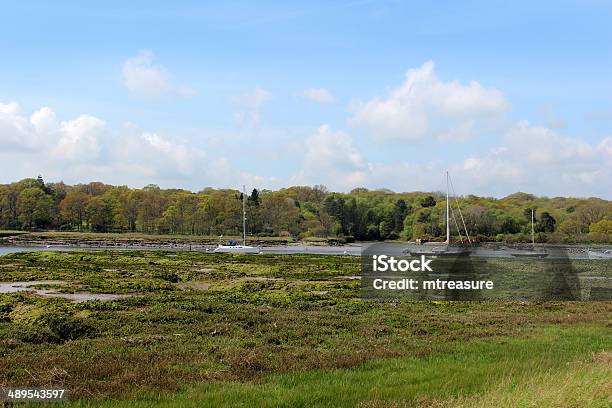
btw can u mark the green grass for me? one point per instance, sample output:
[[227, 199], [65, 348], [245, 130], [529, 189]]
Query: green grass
[[11, 233], [281, 327], [510, 371]]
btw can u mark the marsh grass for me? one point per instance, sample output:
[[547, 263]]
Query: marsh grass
[[11, 233], [291, 316], [546, 369]]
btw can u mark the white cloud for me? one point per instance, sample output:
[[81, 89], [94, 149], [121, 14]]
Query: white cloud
[[15, 129], [75, 139], [330, 156], [320, 95], [538, 144], [182, 156], [250, 104], [84, 149], [539, 160], [424, 106], [331, 149], [44, 121], [528, 158], [531, 158], [143, 77], [79, 138], [10, 108]]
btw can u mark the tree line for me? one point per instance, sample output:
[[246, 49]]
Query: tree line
[[300, 212]]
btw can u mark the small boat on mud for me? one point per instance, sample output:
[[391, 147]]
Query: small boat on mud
[[232, 246], [606, 254], [529, 254]]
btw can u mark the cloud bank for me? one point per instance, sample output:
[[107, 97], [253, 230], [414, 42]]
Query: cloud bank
[[424, 107], [523, 156]]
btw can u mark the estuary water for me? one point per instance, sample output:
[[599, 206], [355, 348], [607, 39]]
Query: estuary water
[[11, 249], [32, 287], [277, 249]]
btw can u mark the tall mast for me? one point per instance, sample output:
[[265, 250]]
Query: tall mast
[[243, 215], [447, 212]]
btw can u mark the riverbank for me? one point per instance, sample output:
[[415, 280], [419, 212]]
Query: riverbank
[[92, 239], [139, 240], [397, 248], [60, 239], [11, 233]]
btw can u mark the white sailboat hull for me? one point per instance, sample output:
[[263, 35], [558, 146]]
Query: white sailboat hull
[[529, 254], [237, 249], [600, 255]]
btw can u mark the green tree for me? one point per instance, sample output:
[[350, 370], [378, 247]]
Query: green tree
[[601, 227], [510, 226], [428, 201], [73, 208], [99, 214], [546, 223], [34, 207], [254, 198], [400, 210], [570, 228], [280, 215], [528, 213]]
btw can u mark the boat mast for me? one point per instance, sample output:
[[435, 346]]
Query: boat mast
[[447, 212], [243, 215]]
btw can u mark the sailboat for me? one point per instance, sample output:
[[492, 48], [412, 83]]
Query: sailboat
[[605, 254], [447, 249], [234, 248], [532, 253]]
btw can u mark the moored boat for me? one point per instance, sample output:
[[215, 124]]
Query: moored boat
[[529, 254], [606, 254], [233, 247], [448, 248]]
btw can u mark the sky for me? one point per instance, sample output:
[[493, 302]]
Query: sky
[[506, 96]]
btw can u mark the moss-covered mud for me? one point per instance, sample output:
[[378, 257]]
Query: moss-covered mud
[[135, 239], [198, 317]]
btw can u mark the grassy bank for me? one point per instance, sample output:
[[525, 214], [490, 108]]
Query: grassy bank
[[553, 367], [11, 233], [134, 238], [137, 238], [214, 327]]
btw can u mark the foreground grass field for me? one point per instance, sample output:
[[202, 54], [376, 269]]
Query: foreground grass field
[[556, 367], [271, 330]]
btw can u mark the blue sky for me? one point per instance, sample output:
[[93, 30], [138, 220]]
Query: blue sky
[[507, 95]]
